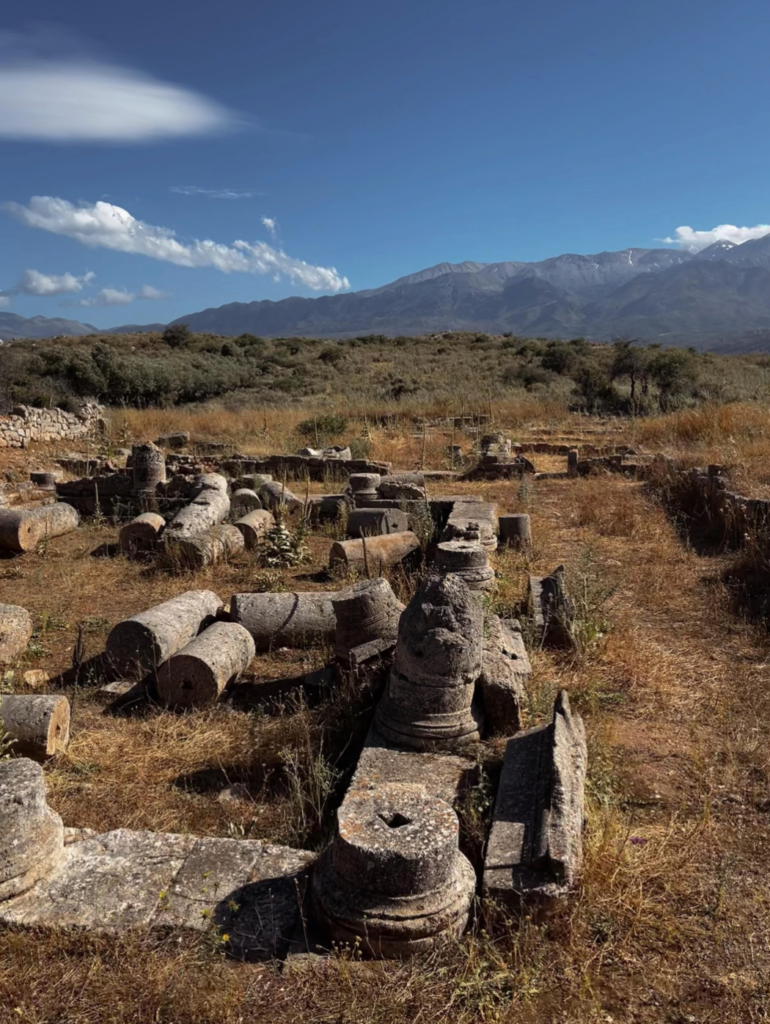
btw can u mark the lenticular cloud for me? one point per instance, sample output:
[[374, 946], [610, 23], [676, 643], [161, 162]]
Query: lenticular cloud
[[111, 227]]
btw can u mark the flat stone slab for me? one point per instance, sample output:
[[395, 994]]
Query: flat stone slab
[[535, 845], [448, 776], [123, 880]]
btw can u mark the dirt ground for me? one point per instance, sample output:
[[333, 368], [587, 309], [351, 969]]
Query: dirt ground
[[671, 920]]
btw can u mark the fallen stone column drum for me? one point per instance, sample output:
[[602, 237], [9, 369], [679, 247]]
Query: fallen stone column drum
[[515, 531], [467, 560], [23, 529], [378, 552], [15, 632], [394, 879], [31, 834], [286, 620], [209, 482], [141, 644], [199, 673], [215, 545], [372, 522], [273, 494], [367, 611], [253, 527], [141, 534], [38, 724], [244, 501], [149, 468], [207, 509]]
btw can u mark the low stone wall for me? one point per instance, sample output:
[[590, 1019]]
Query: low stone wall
[[27, 424]]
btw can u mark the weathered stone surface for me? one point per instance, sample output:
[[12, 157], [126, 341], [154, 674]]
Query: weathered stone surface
[[403, 486], [43, 479], [149, 468], [468, 560], [363, 487], [22, 529], [199, 673], [368, 610], [515, 531], [217, 544], [394, 878], [38, 724], [551, 609], [15, 632], [373, 553], [141, 535], [505, 671], [428, 701], [471, 519], [244, 501], [31, 835], [207, 509], [372, 651], [253, 526], [272, 495], [140, 645], [371, 522], [286, 619], [535, 846], [176, 439]]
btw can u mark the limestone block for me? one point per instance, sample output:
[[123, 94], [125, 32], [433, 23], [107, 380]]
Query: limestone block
[[370, 522], [551, 609], [15, 632], [535, 845], [31, 834], [505, 671]]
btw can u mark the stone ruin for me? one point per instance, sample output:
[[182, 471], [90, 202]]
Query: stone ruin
[[393, 880]]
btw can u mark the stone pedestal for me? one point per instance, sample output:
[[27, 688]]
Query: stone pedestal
[[394, 879], [428, 702], [467, 560], [363, 488], [31, 835], [515, 531]]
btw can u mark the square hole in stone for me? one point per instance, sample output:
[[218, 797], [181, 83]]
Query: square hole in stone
[[395, 820]]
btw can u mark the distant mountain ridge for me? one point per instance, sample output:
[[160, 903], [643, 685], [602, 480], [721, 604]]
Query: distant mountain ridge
[[716, 298]]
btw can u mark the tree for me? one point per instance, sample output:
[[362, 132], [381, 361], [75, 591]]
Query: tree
[[176, 335], [673, 370], [632, 362]]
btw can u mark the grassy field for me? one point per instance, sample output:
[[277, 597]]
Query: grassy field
[[671, 921]]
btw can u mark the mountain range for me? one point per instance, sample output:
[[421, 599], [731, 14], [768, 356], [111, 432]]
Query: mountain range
[[718, 298]]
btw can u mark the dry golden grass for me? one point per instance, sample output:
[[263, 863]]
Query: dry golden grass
[[671, 921]]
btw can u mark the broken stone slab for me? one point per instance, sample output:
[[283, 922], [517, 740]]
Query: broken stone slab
[[31, 834], [551, 609], [141, 535], [471, 519], [394, 880], [15, 632], [372, 522], [139, 645], [201, 671], [373, 554], [286, 619], [381, 651], [403, 486], [535, 845], [505, 672], [38, 724], [22, 529]]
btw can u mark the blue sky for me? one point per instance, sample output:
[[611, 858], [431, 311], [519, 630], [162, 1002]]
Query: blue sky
[[347, 144]]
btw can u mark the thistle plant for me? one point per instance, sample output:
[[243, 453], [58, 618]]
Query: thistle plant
[[280, 548]]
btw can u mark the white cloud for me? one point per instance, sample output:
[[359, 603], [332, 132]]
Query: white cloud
[[214, 193], [694, 241], [271, 224], [111, 227], [121, 296], [4, 302], [48, 91], [42, 285]]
